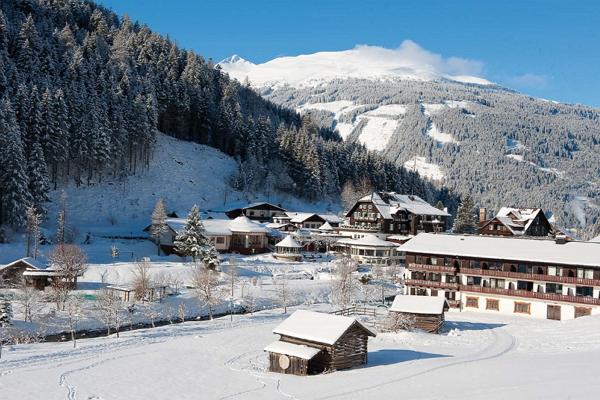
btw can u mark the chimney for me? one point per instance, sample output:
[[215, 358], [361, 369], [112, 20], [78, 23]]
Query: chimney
[[482, 214]]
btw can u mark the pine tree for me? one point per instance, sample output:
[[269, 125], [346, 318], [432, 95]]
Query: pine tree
[[159, 225], [192, 241], [465, 218], [38, 175]]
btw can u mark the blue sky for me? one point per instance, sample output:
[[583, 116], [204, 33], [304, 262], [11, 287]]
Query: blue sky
[[545, 48]]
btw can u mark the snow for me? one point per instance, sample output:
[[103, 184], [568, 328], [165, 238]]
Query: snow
[[514, 144], [425, 169], [479, 355], [295, 350], [315, 326], [521, 158], [368, 240], [377, 132], [389, 110], [336, 107], [245, 224], [419, 304], [439, 136], [409, 61], [499, 248], [289, 242], [595, 240], [430, 109]]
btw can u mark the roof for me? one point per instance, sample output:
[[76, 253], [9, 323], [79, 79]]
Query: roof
[[299, 217], [389, 203], [294, 350], [506, 248], [289, 242], [217, 227], [326, 227], [263, 203], [517, 220], [368, 240], [317, 327], [596, 239], [31, 262], [419, 304], [245, 224]]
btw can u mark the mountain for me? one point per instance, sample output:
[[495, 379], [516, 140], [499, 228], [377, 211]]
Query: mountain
[[439, 117], [84, 92]]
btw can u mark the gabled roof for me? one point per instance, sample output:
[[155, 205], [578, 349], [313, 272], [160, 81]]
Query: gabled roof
[[317, 327], [220, 227], [299, 217], [326, 227], [30, 262], [289, 242], [521, 248], [518, 220], [419, 304], [245, 224], [389, 203], [262, 204], [596, 239]]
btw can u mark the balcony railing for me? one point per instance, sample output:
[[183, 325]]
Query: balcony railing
[[533, 295], [433, 268], [431, 284], [361, 228], [530, 277]]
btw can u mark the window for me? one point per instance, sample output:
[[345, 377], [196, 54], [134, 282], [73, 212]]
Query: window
[[472, 302], [434, 261], [584, 291], [582, 311], [555, 288], [589, 274], [492, 304], [497, 283], [474, 280], [434, 292], [220, 240], [552, 271], [525, 285], [250, 212], [522, 308]]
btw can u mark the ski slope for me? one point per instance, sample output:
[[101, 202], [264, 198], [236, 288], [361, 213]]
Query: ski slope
[[479, 356]]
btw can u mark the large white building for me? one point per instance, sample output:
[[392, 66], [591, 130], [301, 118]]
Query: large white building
[[541, 278]]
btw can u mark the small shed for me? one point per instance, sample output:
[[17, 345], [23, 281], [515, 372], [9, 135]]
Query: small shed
[[12, 274], [288, 249], [426, 312], [312, 342]]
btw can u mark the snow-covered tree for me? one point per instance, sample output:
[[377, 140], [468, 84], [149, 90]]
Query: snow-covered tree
[[282, 289], [192, 241], [5, 322], [110, 310], [74, 315], [30, 300], [465, 217], [159, 222]]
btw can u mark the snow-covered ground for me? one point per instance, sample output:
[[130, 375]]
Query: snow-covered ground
[[479, 356], [425, 169], [439, 136]]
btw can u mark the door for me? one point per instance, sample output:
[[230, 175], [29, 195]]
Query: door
[[554, 312]]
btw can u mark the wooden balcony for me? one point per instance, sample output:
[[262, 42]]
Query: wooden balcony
[[431, 284], [431, 268], [532, 295], [530, 277]]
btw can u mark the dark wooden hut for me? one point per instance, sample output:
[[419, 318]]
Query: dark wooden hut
[[312, 343], [425, 312]]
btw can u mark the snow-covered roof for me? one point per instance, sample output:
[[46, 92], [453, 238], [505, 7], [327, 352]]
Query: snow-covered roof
[[317, 327], [596, 239], [263, 203], [217, 227], [43, 272], [289, 242], [517, 220], [294, 350], [419, 304], [299, 217], [368, 240], [31, 262], [389, 203], [326, 227], [506, 248], [245, 224]]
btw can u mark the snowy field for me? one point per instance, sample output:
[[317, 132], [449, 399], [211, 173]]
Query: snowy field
[[479, 356]]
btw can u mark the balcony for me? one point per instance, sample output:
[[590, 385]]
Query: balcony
[[532, 295], [431, 284], [432, 268], [530, 277], [359, 228]]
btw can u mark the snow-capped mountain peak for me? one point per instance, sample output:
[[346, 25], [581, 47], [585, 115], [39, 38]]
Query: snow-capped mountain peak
[[408, 61]]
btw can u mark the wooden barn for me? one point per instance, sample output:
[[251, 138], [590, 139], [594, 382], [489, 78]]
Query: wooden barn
[[426, 312], [312, 343]]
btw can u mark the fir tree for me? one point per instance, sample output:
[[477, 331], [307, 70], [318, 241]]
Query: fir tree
[[192, 241], [465, 218]]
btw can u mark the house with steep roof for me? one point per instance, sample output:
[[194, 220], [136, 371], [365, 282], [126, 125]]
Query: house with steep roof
[[517, 222], [389, 213], [312, 342], [260, 211]]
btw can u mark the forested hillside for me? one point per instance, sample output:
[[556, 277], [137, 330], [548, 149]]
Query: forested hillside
[[83, 93], [502, 147]]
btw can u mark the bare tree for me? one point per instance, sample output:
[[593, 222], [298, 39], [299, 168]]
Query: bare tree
[[343, 284], [398, 321], [30, 300], [232, 279], [159, 224], [151, 313], [282, 289], [142, 281], [109, 306], [69, 261], [207, 287], [74, 314], [181, 312], [352, 193]]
